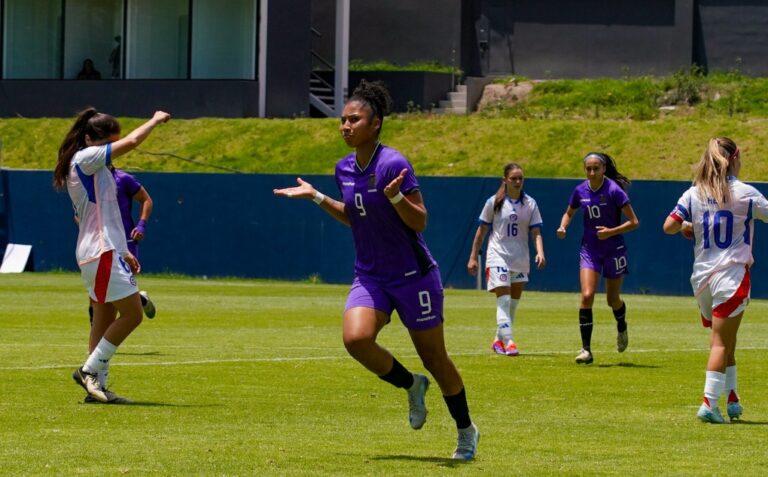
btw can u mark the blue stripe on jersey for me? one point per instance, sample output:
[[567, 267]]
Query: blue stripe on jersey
[[483, 222], [540, 225], [109, 154], [684, 212], [88, 184], [747, 224]]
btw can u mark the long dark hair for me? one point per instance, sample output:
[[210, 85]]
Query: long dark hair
[[501, 194], [376, 96], [610, 169], [89, 122]]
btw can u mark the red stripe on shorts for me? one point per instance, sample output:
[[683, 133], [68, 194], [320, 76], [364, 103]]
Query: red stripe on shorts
[[102, 277], [724, 310]]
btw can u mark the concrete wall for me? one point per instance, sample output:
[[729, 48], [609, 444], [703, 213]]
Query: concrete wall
[[232, 225]]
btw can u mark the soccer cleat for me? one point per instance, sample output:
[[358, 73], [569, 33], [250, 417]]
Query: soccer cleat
[[90, 383], [511, 349], [417, 407], [710, 414], [584, 357], [498, 347], [112, 398], [466, 447], [622, 341], [734, 410], [146, 303]]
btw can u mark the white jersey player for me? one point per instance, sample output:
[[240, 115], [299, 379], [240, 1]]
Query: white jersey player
[[718, 212], [513, 217], [106, 265]]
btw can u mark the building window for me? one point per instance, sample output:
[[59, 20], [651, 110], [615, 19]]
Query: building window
[[32, 39], [224, 39], [157, 39], [93, 29]]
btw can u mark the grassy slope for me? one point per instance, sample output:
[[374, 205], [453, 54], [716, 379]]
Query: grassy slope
[[250, 378], [475, 145]]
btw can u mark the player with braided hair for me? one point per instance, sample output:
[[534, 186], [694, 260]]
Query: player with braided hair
[[394, 270]]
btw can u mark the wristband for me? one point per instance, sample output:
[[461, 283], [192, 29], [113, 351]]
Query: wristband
[[318, 198], [140, 225], [396, 198]]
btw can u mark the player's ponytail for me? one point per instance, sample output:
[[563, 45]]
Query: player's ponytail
[[711, 177], [89, 122], [611, 171], [376, 96], [501, 194]]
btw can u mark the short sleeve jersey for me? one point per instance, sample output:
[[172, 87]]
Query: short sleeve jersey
[[127, 187], [722, 234], [601, 207], [508, 241], [387, 250], [92, 189]]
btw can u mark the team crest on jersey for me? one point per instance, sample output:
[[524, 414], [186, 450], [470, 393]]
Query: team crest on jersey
[[372, 183], [513, 216], [603, 199]]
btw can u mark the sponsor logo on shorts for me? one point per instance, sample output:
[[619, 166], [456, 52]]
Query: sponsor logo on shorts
[[348, 184], [425, 318]]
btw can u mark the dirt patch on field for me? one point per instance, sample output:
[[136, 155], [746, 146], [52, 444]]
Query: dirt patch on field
[[507, 94]]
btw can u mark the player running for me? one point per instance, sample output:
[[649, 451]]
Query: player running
[[511, 214], [719, 211], [394, 269], [603, 200], [106, 265]]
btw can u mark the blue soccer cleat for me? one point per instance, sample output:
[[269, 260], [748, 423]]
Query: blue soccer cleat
[[417, 407], [710, 414], [466, 447]]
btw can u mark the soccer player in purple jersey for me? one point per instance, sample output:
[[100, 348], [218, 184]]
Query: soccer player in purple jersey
[[603, 200], [394, 270]]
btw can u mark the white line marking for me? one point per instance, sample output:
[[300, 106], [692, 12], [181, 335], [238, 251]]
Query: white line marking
[[333, 358]]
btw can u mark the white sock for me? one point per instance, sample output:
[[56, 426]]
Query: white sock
[[103, 373], [512, 311], [730, 383], [99, 357], [503, 320], [713, 387]]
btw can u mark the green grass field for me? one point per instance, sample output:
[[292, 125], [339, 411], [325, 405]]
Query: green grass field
[[239, 377]]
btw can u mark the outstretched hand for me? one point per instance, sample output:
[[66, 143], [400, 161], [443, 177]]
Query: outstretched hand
[[303, 191], [393, 188]]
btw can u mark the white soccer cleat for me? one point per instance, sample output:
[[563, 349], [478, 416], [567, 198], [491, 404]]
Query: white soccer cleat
[[90, 383], [584, 357], [417, 407], [710, 414], [466, 447]]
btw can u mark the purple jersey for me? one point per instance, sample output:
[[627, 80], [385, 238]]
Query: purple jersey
[[127, 187], [387, 250], [600, 207]]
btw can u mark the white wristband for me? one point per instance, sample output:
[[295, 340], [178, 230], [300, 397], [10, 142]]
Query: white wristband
[[397, 198], [318, 198]]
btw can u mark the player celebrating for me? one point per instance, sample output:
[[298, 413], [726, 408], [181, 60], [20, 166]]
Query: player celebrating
[[720, 211], [106, 265], [394, 269], [511, 213], [603, 200]]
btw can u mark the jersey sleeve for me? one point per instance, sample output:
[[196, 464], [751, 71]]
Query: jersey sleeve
[[573, 201], [759, 205], [486, 215], [93, 158], [410, 184], [682, 211], [620, 197], [130, 185]]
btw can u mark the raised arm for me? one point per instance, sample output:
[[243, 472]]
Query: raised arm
[[305, 190], [132, 140]]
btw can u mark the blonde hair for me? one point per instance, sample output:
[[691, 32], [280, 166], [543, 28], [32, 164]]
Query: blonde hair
[[711, 177]]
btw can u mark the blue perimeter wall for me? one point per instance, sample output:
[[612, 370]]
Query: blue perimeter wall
[[232, 225]]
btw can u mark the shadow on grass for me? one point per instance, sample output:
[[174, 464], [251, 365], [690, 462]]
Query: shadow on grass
[[147, 353], [147, 404], [443, 461], [739, 422], [628, 365]]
